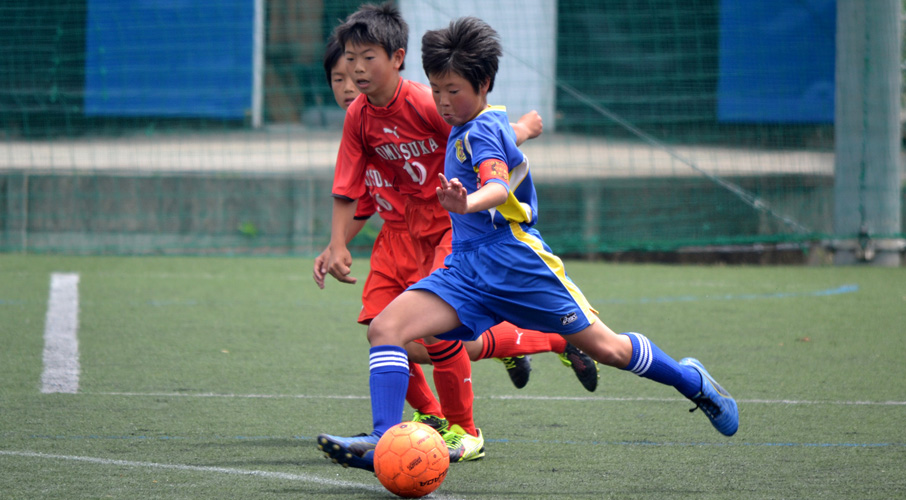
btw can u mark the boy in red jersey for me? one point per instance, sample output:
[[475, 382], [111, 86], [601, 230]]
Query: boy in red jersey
[[388, 276], [397, 132]]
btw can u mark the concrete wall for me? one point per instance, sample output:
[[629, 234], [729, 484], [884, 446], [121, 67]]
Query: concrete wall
[[285, 214]]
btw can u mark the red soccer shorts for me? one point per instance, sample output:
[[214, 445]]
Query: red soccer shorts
[[393, 269]]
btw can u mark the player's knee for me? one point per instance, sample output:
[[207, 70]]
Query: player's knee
[[380, 332]]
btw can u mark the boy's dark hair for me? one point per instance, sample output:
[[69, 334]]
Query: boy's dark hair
[[375, 25], [332, 53], [469, 47]]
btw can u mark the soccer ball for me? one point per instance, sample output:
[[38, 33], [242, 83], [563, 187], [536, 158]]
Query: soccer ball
[[411, 459]]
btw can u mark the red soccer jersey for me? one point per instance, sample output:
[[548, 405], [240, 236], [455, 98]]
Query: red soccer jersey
[[405, 141], [380, 197]]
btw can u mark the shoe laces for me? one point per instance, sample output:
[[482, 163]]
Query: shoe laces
[[433, 421], [710, 408], [453, 439], [510, 363]]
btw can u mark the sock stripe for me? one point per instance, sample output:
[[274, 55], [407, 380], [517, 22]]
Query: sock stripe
[[445, 353], [645, 358], [383, 359], [490, 344]]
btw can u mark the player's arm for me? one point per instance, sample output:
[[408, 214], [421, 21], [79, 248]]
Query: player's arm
[[454, 198], [348, 187], [340, 259], [528, 127], [320, 269]]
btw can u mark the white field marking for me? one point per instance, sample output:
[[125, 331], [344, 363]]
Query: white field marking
[[218, 395], [61, 345], [195, 468], [307, 478], [528, 398], [747, 401]]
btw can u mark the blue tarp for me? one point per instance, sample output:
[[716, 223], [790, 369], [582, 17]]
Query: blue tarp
[[169, 58], [777, 61]]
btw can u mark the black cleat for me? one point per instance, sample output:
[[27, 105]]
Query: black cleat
[[518, 368], [586, 369]]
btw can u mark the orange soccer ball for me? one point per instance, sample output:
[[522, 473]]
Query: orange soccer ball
[[411, 459]]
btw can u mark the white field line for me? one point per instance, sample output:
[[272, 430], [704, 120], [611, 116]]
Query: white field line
[[307, 478], [590, 399], [61, 345]]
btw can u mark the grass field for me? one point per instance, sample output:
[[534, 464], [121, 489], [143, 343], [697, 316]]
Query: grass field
[[208, 378]]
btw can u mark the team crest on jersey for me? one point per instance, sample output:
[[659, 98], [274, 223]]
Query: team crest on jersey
[[460, 151]]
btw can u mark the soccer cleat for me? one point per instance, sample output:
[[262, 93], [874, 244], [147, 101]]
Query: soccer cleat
[[714, 401], [433, 421], [518, 368], [463, 446], [356, 451], [586, 369]]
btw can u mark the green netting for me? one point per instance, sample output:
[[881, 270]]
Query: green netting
[[660, 133]]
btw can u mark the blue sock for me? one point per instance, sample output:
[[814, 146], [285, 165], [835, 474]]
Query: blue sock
[[388, 367], [650, 362]]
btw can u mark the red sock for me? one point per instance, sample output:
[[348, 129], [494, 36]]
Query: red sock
[[453, 381], [505, 341], [419, 394]]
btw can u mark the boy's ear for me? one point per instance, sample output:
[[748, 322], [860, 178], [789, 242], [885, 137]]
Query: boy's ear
[[483, 88], [398, 57]]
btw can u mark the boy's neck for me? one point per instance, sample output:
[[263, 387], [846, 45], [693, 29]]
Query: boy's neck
[[381, 97], [483, 106]]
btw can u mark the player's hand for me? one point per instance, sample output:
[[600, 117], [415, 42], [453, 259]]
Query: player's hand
[[320, 268], [452, 195], [338, 265], [532, 124]]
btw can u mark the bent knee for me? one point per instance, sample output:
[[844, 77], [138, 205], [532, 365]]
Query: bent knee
[[381, 332]]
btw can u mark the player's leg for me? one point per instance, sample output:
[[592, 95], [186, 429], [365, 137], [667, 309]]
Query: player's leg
[[463, 445], [428, 409], [420, 396], [432, 241], [388, 277], [559, 305], [453, 382], [511, 344], [636, 353], [412, 315]]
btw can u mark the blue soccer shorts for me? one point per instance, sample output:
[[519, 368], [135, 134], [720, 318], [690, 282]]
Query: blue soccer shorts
[[508, 275]]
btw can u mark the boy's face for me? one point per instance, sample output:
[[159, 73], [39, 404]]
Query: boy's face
[[374, 73], [344, 92], [456, 100]]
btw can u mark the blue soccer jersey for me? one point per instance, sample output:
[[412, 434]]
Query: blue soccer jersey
[[489, 136], [500, 268]]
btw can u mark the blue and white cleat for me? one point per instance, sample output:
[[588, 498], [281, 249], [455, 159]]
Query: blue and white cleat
[[714, 401], [356, 451]]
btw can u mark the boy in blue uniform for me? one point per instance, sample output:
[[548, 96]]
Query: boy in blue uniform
[[500, 268]]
